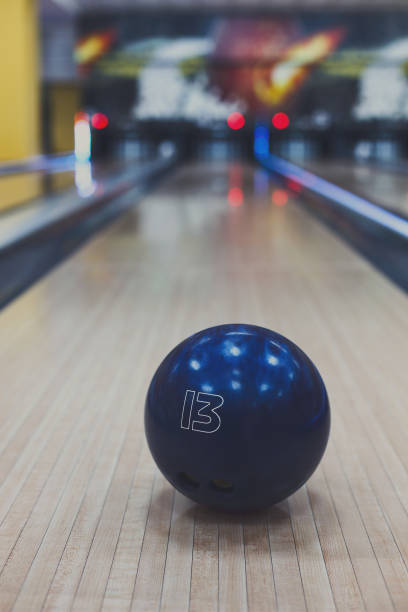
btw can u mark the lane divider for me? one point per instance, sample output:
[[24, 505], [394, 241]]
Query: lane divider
[[39, 163], [340, 196]]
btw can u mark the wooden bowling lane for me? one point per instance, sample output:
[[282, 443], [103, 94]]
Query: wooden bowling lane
[[88, 523]]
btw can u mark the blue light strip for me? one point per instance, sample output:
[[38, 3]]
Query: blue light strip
[[340, 196], [261, 140]]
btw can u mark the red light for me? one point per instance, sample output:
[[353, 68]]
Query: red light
[[99, 121], [81, 116], [236, 121], [235, 196], [294, 185], [280, 121], [280, 197]]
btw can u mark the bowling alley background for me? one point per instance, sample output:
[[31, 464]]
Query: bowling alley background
[[203, 305], [323, 70]]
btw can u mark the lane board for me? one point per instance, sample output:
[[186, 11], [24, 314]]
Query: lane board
[[87, 522]]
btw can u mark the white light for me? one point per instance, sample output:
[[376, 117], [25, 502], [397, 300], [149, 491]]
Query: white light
[[195, 364], [284, 71], [82, 140], [273, 360], [363, 149], [167, 148], [165, 92], [83, 178], [383, 87]]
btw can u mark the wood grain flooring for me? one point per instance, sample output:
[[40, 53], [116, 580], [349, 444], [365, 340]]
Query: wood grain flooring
[[87, 522]]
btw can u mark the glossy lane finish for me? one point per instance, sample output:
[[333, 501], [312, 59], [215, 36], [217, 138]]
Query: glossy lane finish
[[237, 417]]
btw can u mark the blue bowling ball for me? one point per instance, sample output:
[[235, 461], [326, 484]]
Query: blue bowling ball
[[237, 417]]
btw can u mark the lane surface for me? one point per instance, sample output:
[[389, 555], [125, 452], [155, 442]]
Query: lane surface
[[86, 521]]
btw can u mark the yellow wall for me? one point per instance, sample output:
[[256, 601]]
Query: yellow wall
[[64, 103], [19, 80], [20, 102], [18, 188], [19, 96]]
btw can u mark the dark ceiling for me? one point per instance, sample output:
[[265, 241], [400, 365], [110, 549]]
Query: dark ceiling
[[57, 7]]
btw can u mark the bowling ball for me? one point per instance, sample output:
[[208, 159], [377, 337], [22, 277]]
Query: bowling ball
[[237, 417]]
